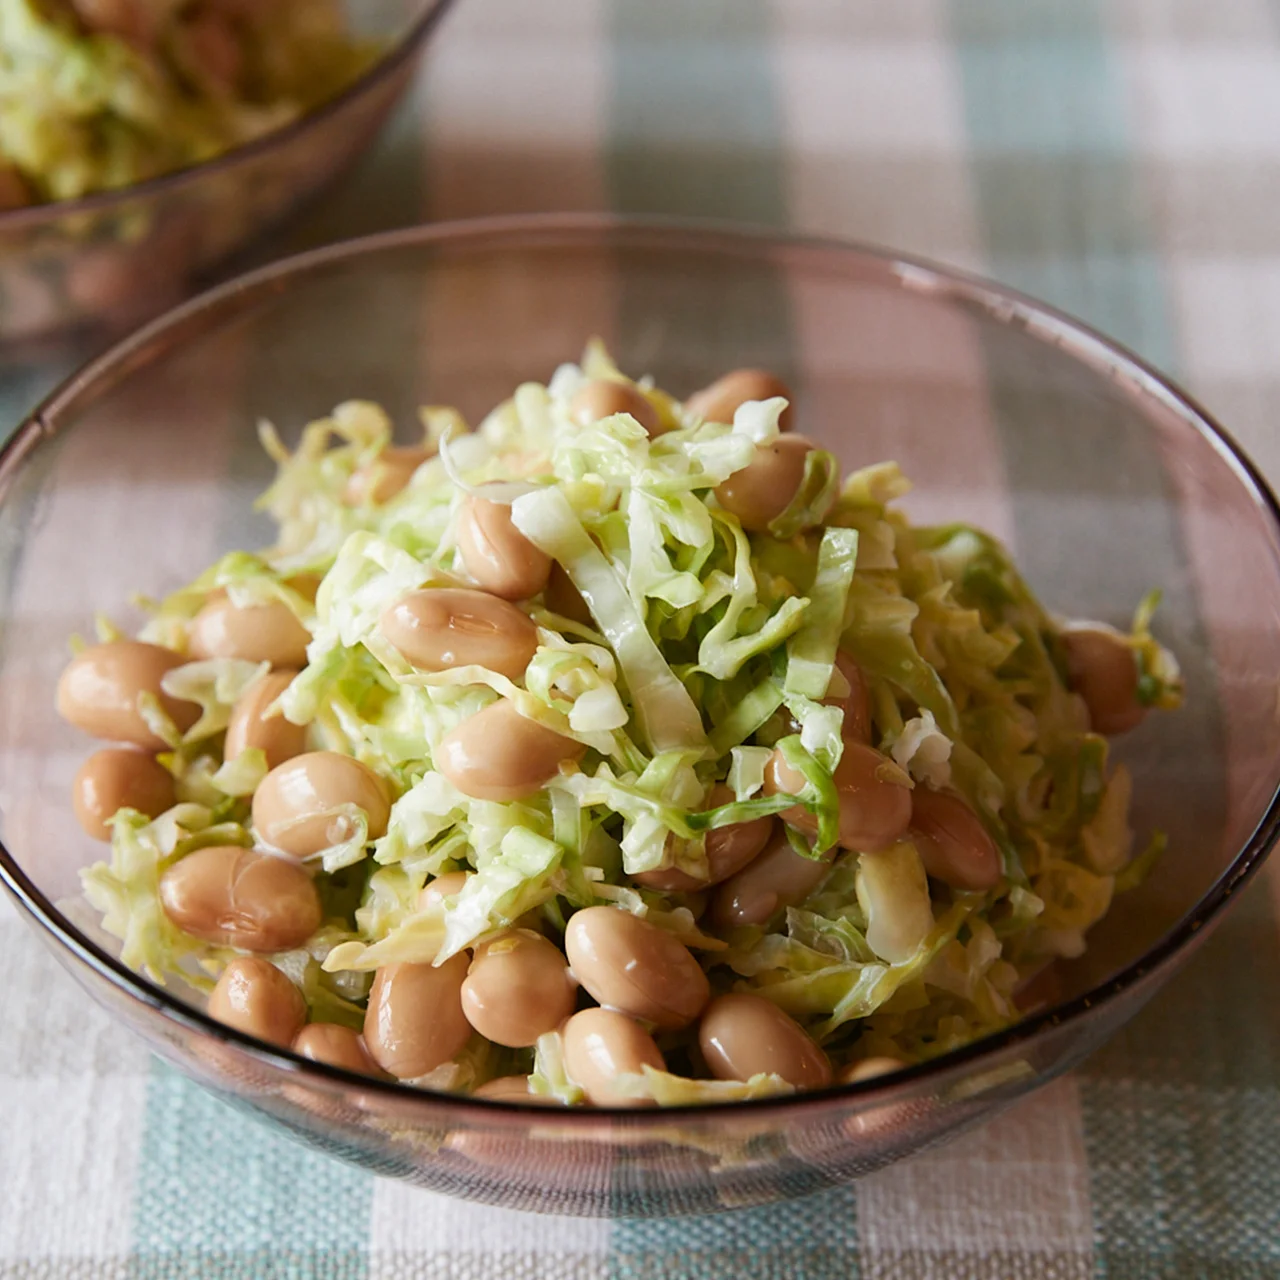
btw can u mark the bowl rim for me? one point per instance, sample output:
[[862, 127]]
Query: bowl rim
[[382, 68], [1003, 303]]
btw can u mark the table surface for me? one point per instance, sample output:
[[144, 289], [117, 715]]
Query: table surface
[[1120, 158]]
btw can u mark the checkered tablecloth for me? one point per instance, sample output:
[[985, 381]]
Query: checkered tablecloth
[[1118, 157]]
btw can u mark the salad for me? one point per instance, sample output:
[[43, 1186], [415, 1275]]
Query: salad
[[617, 752], [101, 94]]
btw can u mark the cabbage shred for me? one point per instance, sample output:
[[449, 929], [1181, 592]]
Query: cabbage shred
[[707, 647]]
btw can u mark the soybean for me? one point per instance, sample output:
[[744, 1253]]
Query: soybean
[[952, 842], [496, 554], [777, 878], [764, 488], [875, 801], [728, 850], [249, 725], [870, 1069], [118, 778], [387, 475], [513, 1089], [628, 964], [856, 702], [99, 688], [436, 891], [251, 632], [293, 808], [449, 627], [414, 1021], [336, 1046], [719, 401], [498, 754], [518, 988], [742, 1035], [602, 398], [254, 997], [234, 897], [1104, 672], [562, 597], [599, 1046]]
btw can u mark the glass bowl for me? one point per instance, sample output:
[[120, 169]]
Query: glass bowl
[[113, 258], [1106, 480]]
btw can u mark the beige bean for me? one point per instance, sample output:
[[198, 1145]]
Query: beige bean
[[387, 475], [254, 997], [14, 192], [279, 739], [1104, 672], [414, 1021], [214, 49], [513, 1089], [728, 850], [336, 1046], [764, 488], [498, 754], [518, 988], [599, 1046], [131, 20], [118, 778], [99, 688], [870, 1069], [628, 964], [436, 891], [602, 398], [253, 632], [562, 597], [496, 554], [742, 1035], [719, 401], [856, 703], [952, 842], [293, 806], [779, 877], [234, 897], [875, 807], [455, 627]]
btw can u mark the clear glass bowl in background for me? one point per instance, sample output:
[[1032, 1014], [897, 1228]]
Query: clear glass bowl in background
[[1106, 480], [117, 257]]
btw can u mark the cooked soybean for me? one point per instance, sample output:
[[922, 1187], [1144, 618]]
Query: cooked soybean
[[1104, 672], [517, 988], [496, 554], [719, 401], [99, 689], [294, 806], [118, 778], [414, 1021], [234, 897], [742, 1035], [250, 632], [447, 627], [765, 487], [600, 1045], [249, 725], [498, 754], [628, 964], [254, 997], [875, 800]]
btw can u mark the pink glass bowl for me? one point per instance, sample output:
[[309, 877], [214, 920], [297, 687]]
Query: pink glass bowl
[[1106, 479], [114, 258]]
